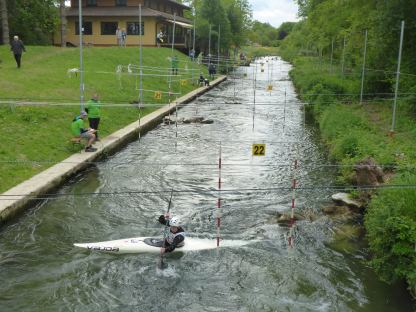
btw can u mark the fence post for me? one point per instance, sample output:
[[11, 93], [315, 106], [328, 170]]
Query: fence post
[[393, 123], [363, 72], [343, 58]]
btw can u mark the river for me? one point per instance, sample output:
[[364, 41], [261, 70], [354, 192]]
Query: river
[[123, 196]]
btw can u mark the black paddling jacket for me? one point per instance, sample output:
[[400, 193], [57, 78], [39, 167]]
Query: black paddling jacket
[[173, 240]]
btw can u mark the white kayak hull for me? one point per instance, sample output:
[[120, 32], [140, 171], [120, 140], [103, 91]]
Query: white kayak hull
[[138, 245]]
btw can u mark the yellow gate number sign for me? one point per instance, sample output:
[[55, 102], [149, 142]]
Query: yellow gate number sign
[[158, 95], [184, 82], [270, 88], [259, 149]]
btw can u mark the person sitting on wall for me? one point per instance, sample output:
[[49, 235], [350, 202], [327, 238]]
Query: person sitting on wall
[[79, 131], [203, 81]]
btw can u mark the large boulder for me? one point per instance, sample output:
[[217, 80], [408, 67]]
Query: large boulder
[[341, 213], [167, 120], [346, 199], [368, 173]]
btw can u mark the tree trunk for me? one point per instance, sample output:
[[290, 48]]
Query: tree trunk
[[4, 22], [63, 22]]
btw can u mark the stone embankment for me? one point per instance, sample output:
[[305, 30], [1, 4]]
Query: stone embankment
[[25, 194]]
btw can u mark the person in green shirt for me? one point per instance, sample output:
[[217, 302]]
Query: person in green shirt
[[94, 113], [79, 131], [174, 65]]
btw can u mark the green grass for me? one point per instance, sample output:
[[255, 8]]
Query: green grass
[[41, 133], [354, 132]]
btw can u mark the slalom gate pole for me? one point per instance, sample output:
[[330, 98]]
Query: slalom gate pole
[[165, 232], [284, 113], [292, 215], [141, 70], [219, 198]]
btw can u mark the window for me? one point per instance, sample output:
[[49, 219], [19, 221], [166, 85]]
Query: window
[[133, 28], [91, 3], [121, 2], [87, 26], [108, 28]]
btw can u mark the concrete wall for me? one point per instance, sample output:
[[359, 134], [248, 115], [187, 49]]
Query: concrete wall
[[25, 194]]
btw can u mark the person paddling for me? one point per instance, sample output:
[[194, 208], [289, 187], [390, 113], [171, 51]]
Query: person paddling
[[176, 236]]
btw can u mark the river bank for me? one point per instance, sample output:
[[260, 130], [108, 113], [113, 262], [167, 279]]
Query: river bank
[[27, 193], [39, 101], [354, 132], [123, 196]]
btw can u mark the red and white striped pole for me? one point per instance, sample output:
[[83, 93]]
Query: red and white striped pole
[[292, 219], [219, 199]]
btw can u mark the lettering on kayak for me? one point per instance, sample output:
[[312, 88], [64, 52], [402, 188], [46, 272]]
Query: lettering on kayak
[[99, 248]]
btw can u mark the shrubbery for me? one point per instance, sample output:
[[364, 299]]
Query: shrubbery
[[391, 231], [351, 136]]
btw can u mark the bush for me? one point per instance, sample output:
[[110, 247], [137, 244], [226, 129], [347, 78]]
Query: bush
[[391, 231], [338, 120]]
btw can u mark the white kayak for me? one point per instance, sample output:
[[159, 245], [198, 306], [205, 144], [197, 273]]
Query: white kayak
[[152, 245]]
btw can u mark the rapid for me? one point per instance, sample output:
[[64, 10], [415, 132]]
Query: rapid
[[123, 196]]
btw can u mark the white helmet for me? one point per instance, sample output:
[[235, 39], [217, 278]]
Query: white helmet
[[174, 221]]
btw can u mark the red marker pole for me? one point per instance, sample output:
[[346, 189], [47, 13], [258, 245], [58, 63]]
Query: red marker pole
[[219, 199], [292, 220]]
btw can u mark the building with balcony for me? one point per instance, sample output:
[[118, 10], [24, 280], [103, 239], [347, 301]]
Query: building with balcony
[[101, 18]]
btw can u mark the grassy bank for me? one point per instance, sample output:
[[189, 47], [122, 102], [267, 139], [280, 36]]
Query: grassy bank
[[33, 137], [354, 131]]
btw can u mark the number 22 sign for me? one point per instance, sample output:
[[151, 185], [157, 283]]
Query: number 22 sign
[[259, 149]]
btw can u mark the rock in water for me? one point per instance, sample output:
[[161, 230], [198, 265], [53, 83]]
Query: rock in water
[[346, 199]]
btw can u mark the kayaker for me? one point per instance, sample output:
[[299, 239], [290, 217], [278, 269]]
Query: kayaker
[[176, 236]]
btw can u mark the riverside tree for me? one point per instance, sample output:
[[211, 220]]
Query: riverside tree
[[34, 21]]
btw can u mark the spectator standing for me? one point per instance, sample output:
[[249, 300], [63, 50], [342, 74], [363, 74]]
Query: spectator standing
[[192, 54], [123, 37], [200, 58], [159, 39], [94, 113], [212, 70], [174, 65], [119, 36], [17, 48]]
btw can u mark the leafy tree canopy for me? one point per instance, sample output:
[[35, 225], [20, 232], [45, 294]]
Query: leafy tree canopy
[[33, 20]]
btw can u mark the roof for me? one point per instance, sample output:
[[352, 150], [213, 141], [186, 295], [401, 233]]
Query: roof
[[122, 11], [180, 4]]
